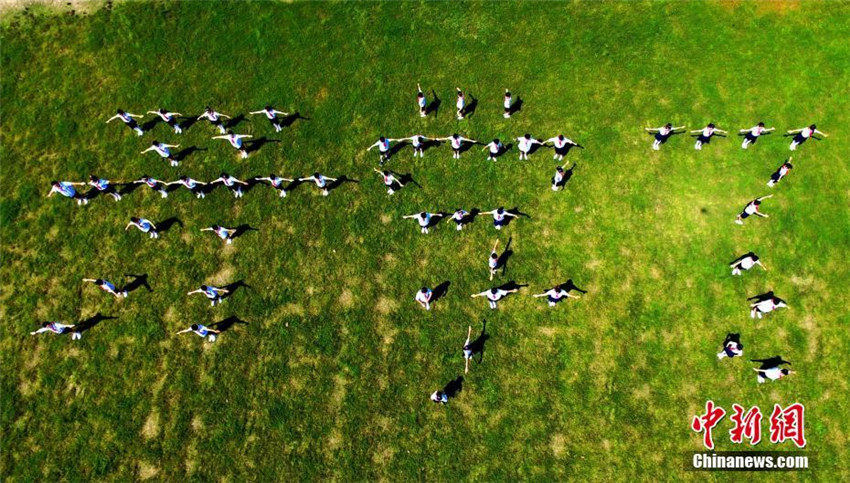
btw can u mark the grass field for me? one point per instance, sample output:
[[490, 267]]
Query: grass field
[[330, 377]]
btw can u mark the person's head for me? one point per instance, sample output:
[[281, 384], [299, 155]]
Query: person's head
[[560, 169], [459, 93], [98, 281], [789, 165], [54, 183], [711, 125], [813, 127], [500, 210], [268, 108], [45, 324], [527, 136], [495, 140], [154, 143], [423, 214], [756, 202], [194, 327], [204, 287], [230, 132], [455, 135], [133, 219], [145, 177], [382, 139], [424, 290], [224, 175], [120, 112], [208, 109], [385, 173], [494, 256], [560, 137], [507, 93], [317, 175], [215, 227], [494, 290], [785, 372], [668, 125], [163, 111], [761, 124], [184, 178], [420, 95], [93, 178]]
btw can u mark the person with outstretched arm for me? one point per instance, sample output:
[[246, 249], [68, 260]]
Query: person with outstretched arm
[[235, 140], [107, 287], [705, 135], [457, 141], [562, 146], [153, 184], [104, 187], [271, 114], [421, 101], [662, 134], [163, 151], [193, 185], [57, 328], [745, 262], [169, 118], [202, 331], [214, 117], [214, 294], [144, 225], [555, 294], [802, 134], [226, 234], [321, 182], [494, 295], [500, 215], [233, 184], [524, 144], [66, 188], [276, 182], [128, 120], [752, 134], [780, 173], [752, 208]]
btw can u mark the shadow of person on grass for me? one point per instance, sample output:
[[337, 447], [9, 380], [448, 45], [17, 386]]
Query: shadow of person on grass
[[395, 148], [290, 119], [453, 387], [570, 286], [434, 105], [242, 229], [228, 323], [469, 109], [185, 122], [184, 153], [514, 211], [148, 125], [502, 261], [512, 285], [440, 291], [477, 345], [470, 217], [407, 179], [165, 225], [568, 174], [127, 188], [89, 323], [137, 282], [516, 106], [342, 179], [466, 146], [436, 218], [232, 288], [254, 145], [233, 122]]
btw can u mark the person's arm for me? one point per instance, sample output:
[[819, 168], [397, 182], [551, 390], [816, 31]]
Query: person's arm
[[736, 263], [153, 227], [275, 111], [742, 131], [539, 295], [494, 246], [223, 290], [219, 137], [488, 212], [135, 115], [410, 216], [185, 330], [88, 280], [721, 131], [174, 114], [173, 183], [39, 331], [512, 290], [536, 141], [696, 131], [479, 294], [792, 131], [764, 197], [207, 229], [770, 129], [195, 291], [309, 178], [330, 179], [128, 226], [255, 112], [204, 115], [763, 215], [239, 136], [223, 115], [171, 145], [240, 181], [761, 265], [150, 148], [377, 143], [676, 128], [508, 213], [217, 180], [52, 190], [821, 133], [573, 296], [112, 118], [153, 112], [214, 331]]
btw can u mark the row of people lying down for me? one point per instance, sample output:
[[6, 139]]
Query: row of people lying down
[[198, 188], [495, 148], [770, 369], [751, 135]]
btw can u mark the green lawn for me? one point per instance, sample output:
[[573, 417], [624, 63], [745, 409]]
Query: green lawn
[[330, 377]]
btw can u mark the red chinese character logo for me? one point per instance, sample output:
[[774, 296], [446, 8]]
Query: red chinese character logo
[[707, 422], [788, 424], [746, 425]]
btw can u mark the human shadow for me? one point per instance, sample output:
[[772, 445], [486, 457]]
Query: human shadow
[[469, 109], [431, 143], [570, 286], [434, 105], [512, 285], [453, 387], [466, 146], [440, 291], [762, 297], [242, 229], [254, 145], [502, 261], [568, 175], [165, 225], [137, 282], [232, 288], [339, 182], [516, 106], [477, 345], [148, 125], [89, 323], [514, 211], [395, 148], [505, 148], [407, 178], [470, 217], [290, 119], [234, 121], [184, 153], [534, 148], [436, 218], [228, 323], [185, 122], [127, 188]]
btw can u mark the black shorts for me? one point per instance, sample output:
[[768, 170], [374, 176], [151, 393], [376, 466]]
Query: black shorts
[[217, 122], [661, 137], [799, 139], [562, 151], [749, 137], [172, 122], [744, 214], [500, 222], [703, 139], [132, 124], [558, 182]]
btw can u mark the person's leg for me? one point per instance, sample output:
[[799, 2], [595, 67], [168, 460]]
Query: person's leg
[[243, 153], [76, 335], [721, 355], [282, 193], [459, 226], [736, 271], [492, 304]]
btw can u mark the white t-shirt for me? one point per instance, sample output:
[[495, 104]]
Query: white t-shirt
[[423, 297], [524, 144], [773, 373], [507, 102], [423, 220], [806, 132], [457, 142], [747, 263], [458, 215], [559, 143], [766, 306], [495, 297], [756, 131], [707, 132], [664, 131], [461, 100], [494, 147], [556, 294], [751, 208]]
